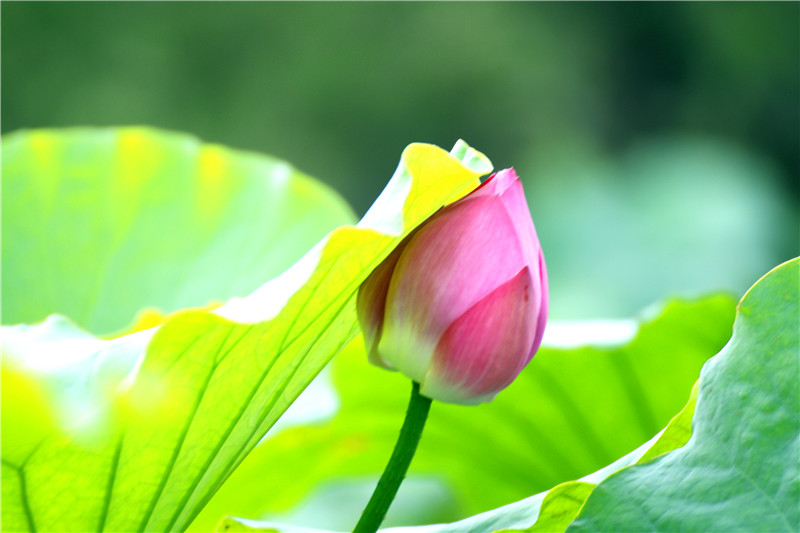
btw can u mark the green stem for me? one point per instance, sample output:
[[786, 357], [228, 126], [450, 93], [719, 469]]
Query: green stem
[[395, 472]]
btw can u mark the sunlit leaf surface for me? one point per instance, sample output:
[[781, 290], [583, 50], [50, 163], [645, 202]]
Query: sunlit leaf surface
[[99, 224], [137, 432]]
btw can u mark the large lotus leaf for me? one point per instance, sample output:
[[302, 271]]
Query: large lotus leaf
[[136, 433], [745, 416], [101, 223], [569, 413], [740, 470]]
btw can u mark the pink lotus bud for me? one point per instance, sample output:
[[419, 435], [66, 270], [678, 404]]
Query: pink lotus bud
[[460, 305]]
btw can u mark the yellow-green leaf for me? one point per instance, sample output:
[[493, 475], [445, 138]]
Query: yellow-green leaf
[[149, 425]]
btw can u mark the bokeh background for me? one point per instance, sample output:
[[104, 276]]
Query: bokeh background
[[659, 143]]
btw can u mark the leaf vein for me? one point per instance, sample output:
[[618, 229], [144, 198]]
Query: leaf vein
[[23, 491], [101, 524], [766, 496], [179, 446]]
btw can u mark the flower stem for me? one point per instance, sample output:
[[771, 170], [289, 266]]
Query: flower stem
[[395, 472]]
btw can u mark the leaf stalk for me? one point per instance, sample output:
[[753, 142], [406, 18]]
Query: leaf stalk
[[395, 472]]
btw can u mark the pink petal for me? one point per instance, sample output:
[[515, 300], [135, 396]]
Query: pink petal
[[513, 198], [544, 306], [506, 185], [459, 256], [371, 303], [485, 349]]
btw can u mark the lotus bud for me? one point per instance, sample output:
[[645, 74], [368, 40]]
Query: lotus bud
[[460, 305]]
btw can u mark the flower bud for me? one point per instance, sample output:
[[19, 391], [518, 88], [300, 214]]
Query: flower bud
[[460, 305]]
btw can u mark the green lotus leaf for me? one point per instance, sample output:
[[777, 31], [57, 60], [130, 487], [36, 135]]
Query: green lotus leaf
[[101, 223], [137, 432], [740, 470], [734, 468]]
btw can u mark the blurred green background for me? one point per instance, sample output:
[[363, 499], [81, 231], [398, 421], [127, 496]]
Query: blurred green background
[[659, 143]]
